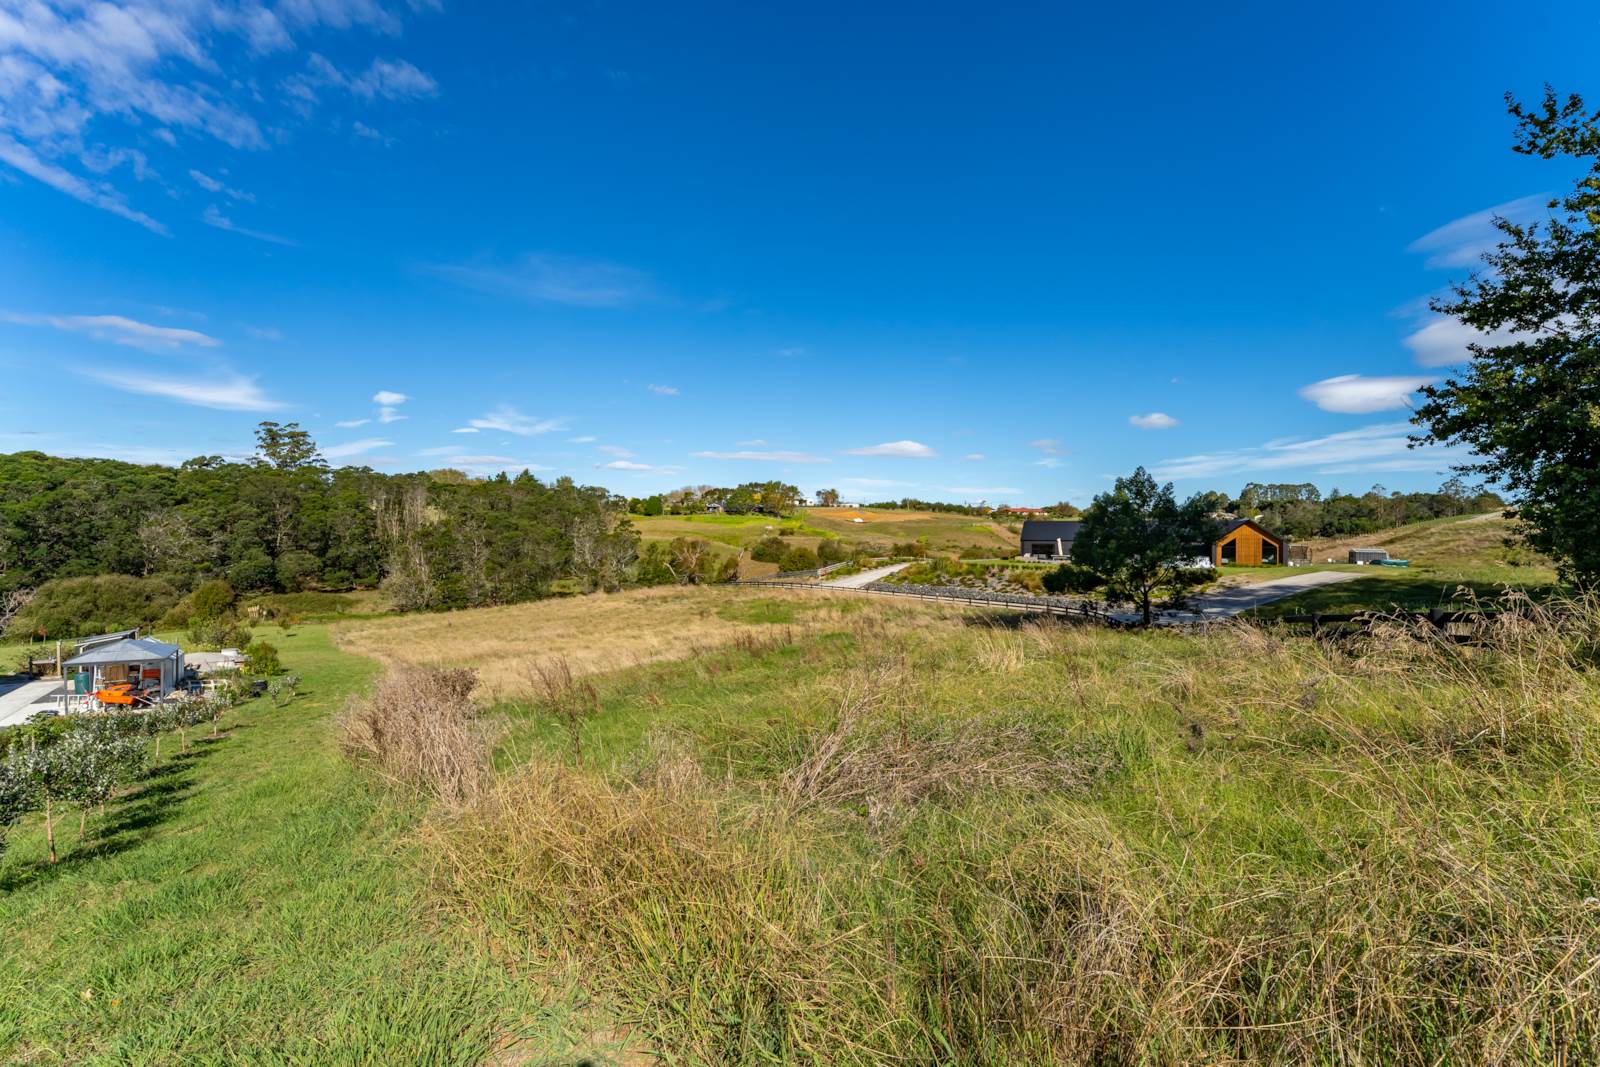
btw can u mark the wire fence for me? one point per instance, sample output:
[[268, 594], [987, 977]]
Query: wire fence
[[1090, 610]]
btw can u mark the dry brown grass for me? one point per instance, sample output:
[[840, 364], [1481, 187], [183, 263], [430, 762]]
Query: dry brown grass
[[419, 727], [591, 634]]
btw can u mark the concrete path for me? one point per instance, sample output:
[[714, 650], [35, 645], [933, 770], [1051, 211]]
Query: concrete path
[[19, 703], [856, 581], [1226, 603]]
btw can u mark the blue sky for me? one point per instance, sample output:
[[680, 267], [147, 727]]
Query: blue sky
[[951, 251]]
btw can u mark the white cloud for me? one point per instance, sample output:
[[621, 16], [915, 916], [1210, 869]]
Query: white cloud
[[584, 440], [746, 455], [972, 457], [1462, 242], [223, 392], [663, 390], [1380, 447], [623, 465], [1049, 462], [614, 450], [387, 415], [387, 79], [350, 424], [754, 443], [356, 448], [968, 490], [212, 185], [1156, 420], [213, 217], [897, 449], [117, 329], [389, 398], [98, 194], [510, 420], [75, 75], [1444, 341], [551, 279], [1048, 445], [465, 429], [1355, 394]]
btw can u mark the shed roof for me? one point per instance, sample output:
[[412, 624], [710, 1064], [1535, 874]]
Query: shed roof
[[1253, 524], [1044, 530], [131, 650]]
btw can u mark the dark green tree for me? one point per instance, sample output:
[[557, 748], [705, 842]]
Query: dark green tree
[[1136, 538], [287, 447], [1529, 407]]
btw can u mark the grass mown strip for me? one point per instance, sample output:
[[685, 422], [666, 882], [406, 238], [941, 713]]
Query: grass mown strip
[[254, 900]]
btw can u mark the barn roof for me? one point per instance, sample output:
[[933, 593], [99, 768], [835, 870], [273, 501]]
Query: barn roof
[[1042, 530], [131, 650], [1236, 523]]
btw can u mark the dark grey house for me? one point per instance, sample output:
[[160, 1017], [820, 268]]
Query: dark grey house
[[1048, 540]]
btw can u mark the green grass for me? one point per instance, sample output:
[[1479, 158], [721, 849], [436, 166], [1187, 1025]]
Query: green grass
[[254, 900], [926, 838]]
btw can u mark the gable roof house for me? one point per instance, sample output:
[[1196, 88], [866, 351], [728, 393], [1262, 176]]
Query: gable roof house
[[1048, 540], [1248, 543]]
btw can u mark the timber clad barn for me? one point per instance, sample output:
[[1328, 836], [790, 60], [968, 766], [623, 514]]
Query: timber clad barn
[[1249, 545]]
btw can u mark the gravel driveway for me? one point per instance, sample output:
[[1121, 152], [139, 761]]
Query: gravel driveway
[[1227, 603], [856, 581]]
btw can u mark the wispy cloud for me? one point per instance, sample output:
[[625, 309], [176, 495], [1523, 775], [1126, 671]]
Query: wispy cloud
[[350, 424], [757, 442], [1462, 242], [71, 73], [623, 465], [747, 455], [212, 185], [264, 333], [972, 457], [510, 420], [387, 79], [1380, 447], [224, 392], [1049, 463], [895, 449], [1156, 420], [117, 329], [356, 448], [550, 279], [614, 450], [389, 403], [1048, 445], [585, 439], [663, 390], [213, 217], [1355, 394]]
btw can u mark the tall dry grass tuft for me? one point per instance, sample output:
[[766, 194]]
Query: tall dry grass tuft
[[419, 727], [1062, 846]]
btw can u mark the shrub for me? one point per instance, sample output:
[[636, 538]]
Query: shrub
[[833, 550], [209, 635], [420, 728], [914, 549], [768, 550], [799, 559], [80, 607], [212, 600], [253, 572], [1071, 578], [261, 660], [296, 569]]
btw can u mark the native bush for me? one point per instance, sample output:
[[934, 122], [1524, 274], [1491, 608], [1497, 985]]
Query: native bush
[[79, 607], [1071, 578], [799, 558], [219, 632], [833, 550]]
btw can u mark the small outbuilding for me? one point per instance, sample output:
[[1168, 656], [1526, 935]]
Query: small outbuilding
[[1368, 555], [1048, 540], [1247, 543], [151, 666]]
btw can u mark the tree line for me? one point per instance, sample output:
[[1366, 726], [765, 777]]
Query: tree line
[[285, 521]]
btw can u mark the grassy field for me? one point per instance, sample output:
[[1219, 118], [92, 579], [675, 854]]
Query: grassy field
[[942, 533], [1446, 556], [924, 836], [593, 634], [252, 901]]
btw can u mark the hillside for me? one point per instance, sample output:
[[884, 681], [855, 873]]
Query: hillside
[[1476, 554], [879, 529]]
